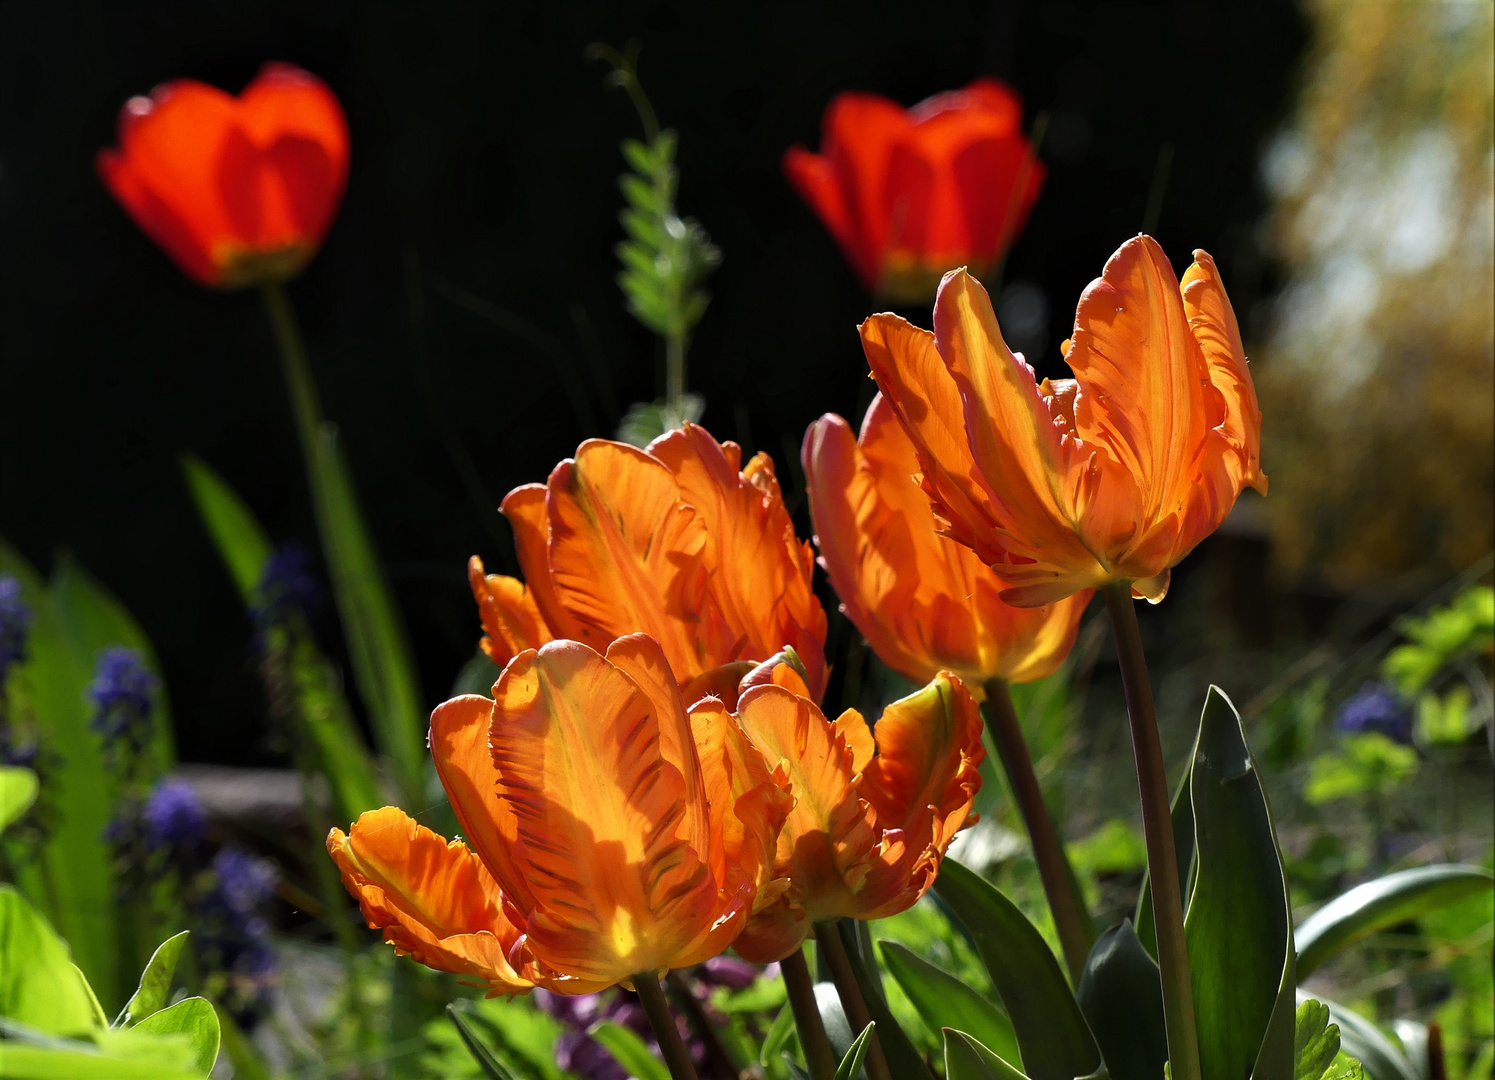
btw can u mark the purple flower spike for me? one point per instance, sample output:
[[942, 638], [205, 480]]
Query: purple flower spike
[[174, 816], [1376, 707], [15, 623]]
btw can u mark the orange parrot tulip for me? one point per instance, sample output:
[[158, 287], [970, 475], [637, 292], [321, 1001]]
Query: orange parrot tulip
[[911, 193], [874, 809], [675, 541], [238, 191], [923, 602], [613, 833], [1113, 476]]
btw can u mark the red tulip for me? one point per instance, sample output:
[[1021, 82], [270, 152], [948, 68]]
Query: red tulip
[[238, 191], [912, 193]]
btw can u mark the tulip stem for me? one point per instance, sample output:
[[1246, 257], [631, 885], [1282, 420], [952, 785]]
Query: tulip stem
[[674, 373], [717, 1054], [828, 940], [657, 1009], [819, 1057], [1070, 919], [1157, 826], [306, 404]]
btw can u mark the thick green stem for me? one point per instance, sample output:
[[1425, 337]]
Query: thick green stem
[[657, 1009], [828, 939], [1048, 852], [306, 405], [1157, 826], [717, 1054], [819, 1057]]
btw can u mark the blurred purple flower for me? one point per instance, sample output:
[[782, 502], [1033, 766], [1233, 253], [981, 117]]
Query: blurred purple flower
[[174, 816], [245, 882], [15, 624], [1376, 707], [287, 588], [730, 971], [123, 693]]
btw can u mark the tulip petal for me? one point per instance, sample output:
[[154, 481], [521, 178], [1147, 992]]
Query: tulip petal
[[525, 509], [598, 814], [295, 121], [1213, 322], [511, 620], [459, 750], [434, 900], [912, 376], [627, 555], [1141, 374], [827, 841], [760, 570], [858, 132], [921, 787], [814, 178], [748, 802]]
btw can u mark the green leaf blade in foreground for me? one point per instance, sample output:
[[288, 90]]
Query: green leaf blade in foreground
[[236, 533], [1121, 995], [487, 1060], [383, 665], [943, 1001], [78, 892], [1382, 903], [155, 982], [1055, 1040], [1182, 816], [18, 790], [1239, 925], [191, 1019], [903, 1057], [630, 1051], [39, 984], [967, 1059], [851, 1064]]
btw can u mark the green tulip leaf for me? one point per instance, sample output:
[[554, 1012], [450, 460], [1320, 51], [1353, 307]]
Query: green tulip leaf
[[967, 1059], [487, 1060], [236, 533], [18, 790], [1382, 903], [1055, 1041], [192, 1019], [851, 1064], [1121, 995], [1239, 924], [630, 1051], [944, 1001], [776, 1039], [155, 982]]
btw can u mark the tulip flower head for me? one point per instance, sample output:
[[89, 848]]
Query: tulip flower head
[[679, 541], [612, 832], [923, 602], [1112, 476], [911, 193], [874, 810], [238, 191]]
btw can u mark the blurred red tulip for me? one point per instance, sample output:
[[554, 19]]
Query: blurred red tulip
[[238, 191], [912, 193]]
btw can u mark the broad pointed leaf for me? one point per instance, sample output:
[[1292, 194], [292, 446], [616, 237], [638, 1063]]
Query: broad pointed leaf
[[194, 1020], [1121, 995], [967, 1059], [155, 982], [1055, 1040], [851, 1064], [944, 1001], [1384, 902], [1239, 923]]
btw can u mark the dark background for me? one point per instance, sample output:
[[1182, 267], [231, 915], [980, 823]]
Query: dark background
[[468, 281]]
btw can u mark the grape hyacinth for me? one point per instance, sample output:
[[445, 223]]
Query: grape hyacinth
[[123, 694], [15, 624], [287, 589], [174, 818], [232, 934], [1376, 707]]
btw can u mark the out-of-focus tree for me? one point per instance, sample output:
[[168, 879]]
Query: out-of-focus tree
[[1378, 378]]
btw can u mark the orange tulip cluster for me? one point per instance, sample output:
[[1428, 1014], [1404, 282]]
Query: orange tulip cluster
[[653, 780]]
